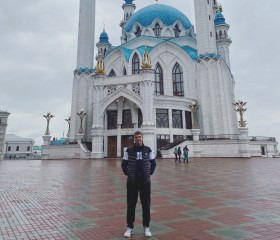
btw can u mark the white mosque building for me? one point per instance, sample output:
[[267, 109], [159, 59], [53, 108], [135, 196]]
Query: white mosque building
[[167, 78]]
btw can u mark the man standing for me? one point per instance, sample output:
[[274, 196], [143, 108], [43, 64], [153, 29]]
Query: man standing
[[138, 164]]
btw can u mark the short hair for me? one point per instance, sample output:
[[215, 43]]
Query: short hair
[[138, 133]]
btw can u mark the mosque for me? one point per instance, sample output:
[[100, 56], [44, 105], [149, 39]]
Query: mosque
[[167, 78]]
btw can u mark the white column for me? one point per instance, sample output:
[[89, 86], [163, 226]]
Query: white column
[[97, 130], [46, 139], [205, 29], [119, 141], [170, 124], [80, 100], [195, 133], [147, 92], [86, 34], [244, 143], [85, 54]]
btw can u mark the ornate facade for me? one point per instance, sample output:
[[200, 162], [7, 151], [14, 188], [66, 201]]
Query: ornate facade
[[152, 79]]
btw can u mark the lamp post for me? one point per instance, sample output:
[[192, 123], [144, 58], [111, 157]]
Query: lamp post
[[194, 107], [240, 108], [48, 117], [68, 121], [81, 114]]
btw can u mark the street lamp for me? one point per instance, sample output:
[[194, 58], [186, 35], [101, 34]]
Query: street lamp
[[81, 114], [239, 107], [68, 121], [48, 117], [194, 107]]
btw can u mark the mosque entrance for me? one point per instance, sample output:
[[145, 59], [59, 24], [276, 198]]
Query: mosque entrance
[[112, 146], [127, 141]]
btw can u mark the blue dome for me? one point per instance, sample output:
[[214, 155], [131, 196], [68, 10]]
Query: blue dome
[[167, 14], [219, 19], [103, 37], [129, 1]]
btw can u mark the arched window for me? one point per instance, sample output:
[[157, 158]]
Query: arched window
[[17, 149], [112, 73], [177, 31], [135, 64], [159, 80], [138, 32], [28, 148], [124, 71], [9, 148], [220, 34], [157, 30], [177, 77]]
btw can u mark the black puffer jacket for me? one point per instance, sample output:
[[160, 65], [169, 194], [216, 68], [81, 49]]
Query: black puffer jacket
[[137, 163]]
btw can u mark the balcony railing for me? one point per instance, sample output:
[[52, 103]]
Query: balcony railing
[[219, 137], [263, 139]]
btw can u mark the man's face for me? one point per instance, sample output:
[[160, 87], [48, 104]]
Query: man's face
[[138, 140]]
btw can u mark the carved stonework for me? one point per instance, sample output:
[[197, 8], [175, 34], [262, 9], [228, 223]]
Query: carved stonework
[[111, 89], [136, 88]]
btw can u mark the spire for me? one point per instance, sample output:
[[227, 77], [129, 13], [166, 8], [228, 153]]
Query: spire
[[103, 45], [222, 38], [128, 9]]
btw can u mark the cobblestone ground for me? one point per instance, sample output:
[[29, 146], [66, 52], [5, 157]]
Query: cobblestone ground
[[207, 199]]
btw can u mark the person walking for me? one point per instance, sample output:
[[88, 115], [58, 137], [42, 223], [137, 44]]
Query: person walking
[[186, 154], [176, 154], [179, 153], [138, 165]]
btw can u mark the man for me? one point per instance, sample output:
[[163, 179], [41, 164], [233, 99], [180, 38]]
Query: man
[[138, 164]]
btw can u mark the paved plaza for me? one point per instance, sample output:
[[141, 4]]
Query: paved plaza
[[207, 199]]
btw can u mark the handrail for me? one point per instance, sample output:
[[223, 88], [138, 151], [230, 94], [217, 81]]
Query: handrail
[[219, 137], [263, 139]]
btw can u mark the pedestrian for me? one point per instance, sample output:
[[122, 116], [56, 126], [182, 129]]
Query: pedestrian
[[186, 154], [179, 153], [176, 154], [138, 165]]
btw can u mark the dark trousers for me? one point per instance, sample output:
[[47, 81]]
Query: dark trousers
[[145, 197]]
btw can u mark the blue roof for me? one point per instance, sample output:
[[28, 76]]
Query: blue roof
[[141, 49], [219, 19], [129, 1], [192, 52], [167, 14], [127, 52], [103, 37]]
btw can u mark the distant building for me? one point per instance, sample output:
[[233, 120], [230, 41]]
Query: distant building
[[3, 126], [18, 147], [37, 151]]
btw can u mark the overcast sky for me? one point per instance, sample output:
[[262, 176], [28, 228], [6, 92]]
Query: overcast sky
[[38, 51]]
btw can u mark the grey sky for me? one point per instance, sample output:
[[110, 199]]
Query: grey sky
[[38, 47]]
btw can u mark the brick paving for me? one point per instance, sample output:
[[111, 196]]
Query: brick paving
[[207, 199]]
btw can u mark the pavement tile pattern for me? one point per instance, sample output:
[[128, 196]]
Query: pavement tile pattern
[[207, 199]]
